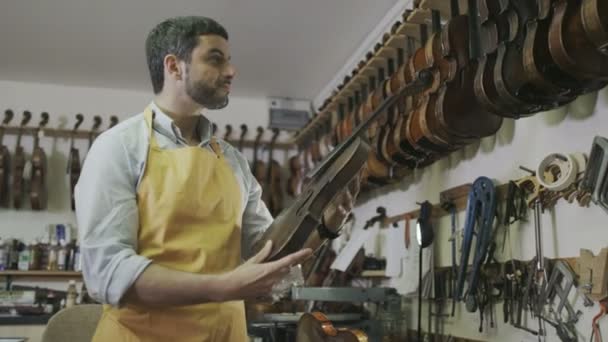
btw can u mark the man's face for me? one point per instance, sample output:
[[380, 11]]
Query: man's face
[[210, 73]]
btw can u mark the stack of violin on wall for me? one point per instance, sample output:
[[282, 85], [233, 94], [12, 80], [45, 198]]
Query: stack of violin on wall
[[23, 176], [267, 171], [495, 59]]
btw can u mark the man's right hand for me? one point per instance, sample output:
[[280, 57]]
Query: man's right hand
[[255, 279]]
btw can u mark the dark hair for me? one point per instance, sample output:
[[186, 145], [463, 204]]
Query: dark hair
[[178, 36]]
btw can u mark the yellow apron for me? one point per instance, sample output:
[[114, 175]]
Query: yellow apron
[[189, 212]]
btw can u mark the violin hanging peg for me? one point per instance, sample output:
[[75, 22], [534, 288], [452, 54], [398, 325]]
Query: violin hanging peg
[[44, 119], [43, 122], [79, 120], [113, 121], [244, 129], [27, 115], [8, 116], [531, 172], [96, 122]]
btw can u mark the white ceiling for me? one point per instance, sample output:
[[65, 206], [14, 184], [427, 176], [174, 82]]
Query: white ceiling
[[280, 47]]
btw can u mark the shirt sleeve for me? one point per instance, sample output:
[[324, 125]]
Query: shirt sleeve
[[107, 216], [256, 217]]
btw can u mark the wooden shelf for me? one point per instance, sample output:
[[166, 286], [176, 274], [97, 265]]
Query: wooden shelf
[[373, 274], [40, 273]]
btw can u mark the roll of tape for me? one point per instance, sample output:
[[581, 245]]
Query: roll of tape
[[557, 181]]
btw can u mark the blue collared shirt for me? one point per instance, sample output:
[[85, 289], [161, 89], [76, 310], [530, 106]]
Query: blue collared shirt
[[106, 207]]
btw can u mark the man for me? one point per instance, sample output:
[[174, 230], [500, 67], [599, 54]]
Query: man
[[167, 213]]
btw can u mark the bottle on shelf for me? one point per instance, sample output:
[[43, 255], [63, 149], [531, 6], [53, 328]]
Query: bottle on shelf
[[53, 250], [24, 259], [72, 294], [35, 254], [62, 253]]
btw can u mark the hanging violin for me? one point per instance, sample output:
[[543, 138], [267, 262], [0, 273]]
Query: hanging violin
[[258, 167], [5, 162], [74, 165], [273, 193], [19, 167], [38, 193]]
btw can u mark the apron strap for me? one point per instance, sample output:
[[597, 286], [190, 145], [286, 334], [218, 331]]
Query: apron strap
[[149, 117]]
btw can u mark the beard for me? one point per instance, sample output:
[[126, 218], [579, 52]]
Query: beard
[[206, 95]]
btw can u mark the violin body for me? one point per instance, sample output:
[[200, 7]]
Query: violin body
[[569, 46], [295, 227], [596, 24], [316, 327], [18, 189], [38, 193], [5, 165]]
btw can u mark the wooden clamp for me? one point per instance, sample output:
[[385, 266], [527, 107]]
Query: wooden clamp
[[593, 273]]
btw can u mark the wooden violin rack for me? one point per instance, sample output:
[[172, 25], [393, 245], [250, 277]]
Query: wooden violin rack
[[85, 134]]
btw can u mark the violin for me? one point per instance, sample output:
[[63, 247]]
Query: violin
[[457, 109], [74, 164], [596, 25], [316, 327], [570, 47], [244, 130], [5, 162], [273, 194], [423, 131], [543, 79], [38, 192], [499, 24], [299, 225], [258, 167], [19, 167]]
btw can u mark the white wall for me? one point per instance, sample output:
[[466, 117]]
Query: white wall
[[565, 229], [62, 103]]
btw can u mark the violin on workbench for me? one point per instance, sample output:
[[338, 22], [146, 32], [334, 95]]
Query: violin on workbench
[[38, 191], [19, 167], [316, 327], [5, 162], [299, 225]]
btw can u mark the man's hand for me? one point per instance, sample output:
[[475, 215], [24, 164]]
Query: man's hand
[[255, 279], [338, 210]]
